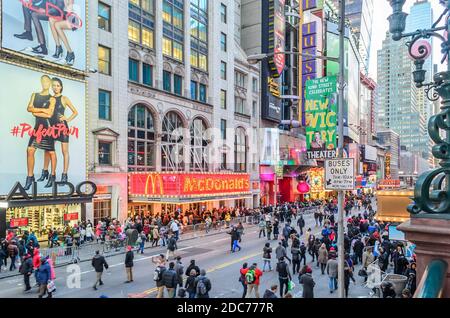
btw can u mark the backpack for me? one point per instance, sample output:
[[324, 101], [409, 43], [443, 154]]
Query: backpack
[[250, 277], [201, 287], [157, 275]]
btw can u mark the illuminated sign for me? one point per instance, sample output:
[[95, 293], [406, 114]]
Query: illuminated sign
[[387, 166], [316, 177], [20, 222], [389, 183], [195, 184], [71, 216], [277, 22]]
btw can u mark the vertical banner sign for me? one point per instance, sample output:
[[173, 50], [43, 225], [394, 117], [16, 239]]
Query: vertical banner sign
[[277, 29], [321, 118]]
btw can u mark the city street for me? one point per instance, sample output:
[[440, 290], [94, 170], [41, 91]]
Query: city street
[[211, 253]]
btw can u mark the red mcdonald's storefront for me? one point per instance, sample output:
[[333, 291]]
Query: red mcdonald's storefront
[[151, 193]]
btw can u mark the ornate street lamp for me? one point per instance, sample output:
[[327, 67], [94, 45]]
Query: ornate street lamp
[[432, 190]]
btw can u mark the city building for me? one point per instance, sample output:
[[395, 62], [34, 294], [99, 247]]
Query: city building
[[389, 140], [173, 108], [360, 15], [397, 97], [412, 165]]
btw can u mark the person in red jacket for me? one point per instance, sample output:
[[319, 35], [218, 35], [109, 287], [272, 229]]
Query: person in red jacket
[[252, 275], [36, 263]]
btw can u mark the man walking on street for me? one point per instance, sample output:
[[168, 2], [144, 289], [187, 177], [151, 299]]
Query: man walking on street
[[26, 269], [99, 262], [262, 228], [170, 281], [179, 269], [280, 252], [129, 257], [158, 274], [301, 224], [284, 276], [202, 285], [43, 277], [332, 271], [252, 276]]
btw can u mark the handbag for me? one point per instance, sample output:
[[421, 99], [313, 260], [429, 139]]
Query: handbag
[[362, 273], [51, 286], [182, 293], [291, 285]]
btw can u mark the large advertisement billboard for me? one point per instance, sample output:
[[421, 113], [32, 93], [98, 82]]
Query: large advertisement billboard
[[321, 117], [277, 37], [42, 127], [52, 30]]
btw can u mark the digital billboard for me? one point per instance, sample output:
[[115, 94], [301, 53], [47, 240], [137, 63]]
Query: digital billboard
[[42, 127], [321, 117], [52, 30]]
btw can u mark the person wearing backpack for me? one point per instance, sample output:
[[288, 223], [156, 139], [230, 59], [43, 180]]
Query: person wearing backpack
[[242, 272], [284, 276], [252, 276], [99, 262], [202, 285], [179, 269], [26, 269], [158, 274], [171, 246]]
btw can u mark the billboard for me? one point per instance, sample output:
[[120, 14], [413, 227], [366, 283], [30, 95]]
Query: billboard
[[270, 147], [321, 118], [277, 29], [52, 30], [42, 127]]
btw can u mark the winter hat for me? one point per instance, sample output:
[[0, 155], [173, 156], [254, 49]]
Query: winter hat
[[309, 270], [129, 248], [332, 249]]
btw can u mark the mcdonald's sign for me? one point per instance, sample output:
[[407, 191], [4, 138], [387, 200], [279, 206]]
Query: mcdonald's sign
[[191, 184]]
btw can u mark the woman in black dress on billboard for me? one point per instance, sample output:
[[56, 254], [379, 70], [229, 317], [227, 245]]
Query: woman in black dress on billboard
[[58, 118], [41, 105]]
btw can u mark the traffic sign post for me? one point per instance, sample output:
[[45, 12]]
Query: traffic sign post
[[340, 174]]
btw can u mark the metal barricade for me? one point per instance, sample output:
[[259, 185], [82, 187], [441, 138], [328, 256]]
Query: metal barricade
[[62, 254]]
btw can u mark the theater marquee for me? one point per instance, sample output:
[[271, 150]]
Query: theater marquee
[[188, 185]]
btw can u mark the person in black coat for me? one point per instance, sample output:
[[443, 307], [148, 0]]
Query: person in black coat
[[411, 274], [276, 229], [129, 257], [191, 267], [301, 224], [271, 293], [26, 269], [170, 280], [190, 283], [98, 262]]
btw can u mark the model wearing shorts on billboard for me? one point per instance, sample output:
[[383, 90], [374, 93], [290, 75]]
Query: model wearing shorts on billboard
[[61, 103]]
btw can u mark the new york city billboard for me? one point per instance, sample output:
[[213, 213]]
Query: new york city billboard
[[51, 30], [42, 128], [277, 30], [321, 118]]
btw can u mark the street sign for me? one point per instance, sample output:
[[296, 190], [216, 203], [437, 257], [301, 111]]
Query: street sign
[[340, 174]]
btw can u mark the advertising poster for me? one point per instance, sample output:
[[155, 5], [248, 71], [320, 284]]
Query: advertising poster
[[42, 127], [52, 30], [277, 37], [321, 118]]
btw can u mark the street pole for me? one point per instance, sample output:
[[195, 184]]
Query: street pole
[[341, 86]]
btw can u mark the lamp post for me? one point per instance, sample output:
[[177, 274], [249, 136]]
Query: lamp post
[[432, 189]]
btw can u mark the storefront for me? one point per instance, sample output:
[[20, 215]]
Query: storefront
[[154, 193], [267, 183], [22, 212]]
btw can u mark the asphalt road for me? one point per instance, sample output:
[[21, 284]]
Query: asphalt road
[[211, 253]]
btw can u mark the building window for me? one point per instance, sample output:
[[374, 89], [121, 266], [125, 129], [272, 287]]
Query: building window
[[172, 143], [223, 42], [194, 92], [199, 34], [223, 13], [239, 79], [141, 139], [167, 81], [104, 153], [104, 105], [223, 162], [104, 60], [223, 70], [177, 84], [254, 107], [255, 85], [199, 146], [239, 104], [141, 22], [223, 99], [202, 93], [104, 17], [240, 151], [173, 29], [223, 129], [102, 210], [147, 74], [133, 70]]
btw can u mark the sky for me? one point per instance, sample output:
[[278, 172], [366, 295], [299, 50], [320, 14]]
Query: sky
[[380, 26]]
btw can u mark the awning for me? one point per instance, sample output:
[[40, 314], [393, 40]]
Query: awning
[[391, 206], [184, 200]]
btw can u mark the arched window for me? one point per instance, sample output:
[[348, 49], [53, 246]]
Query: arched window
[[240, 151], [199, 143], [172, 143], [141, 139]]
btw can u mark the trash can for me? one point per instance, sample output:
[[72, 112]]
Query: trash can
[[398, 281]]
